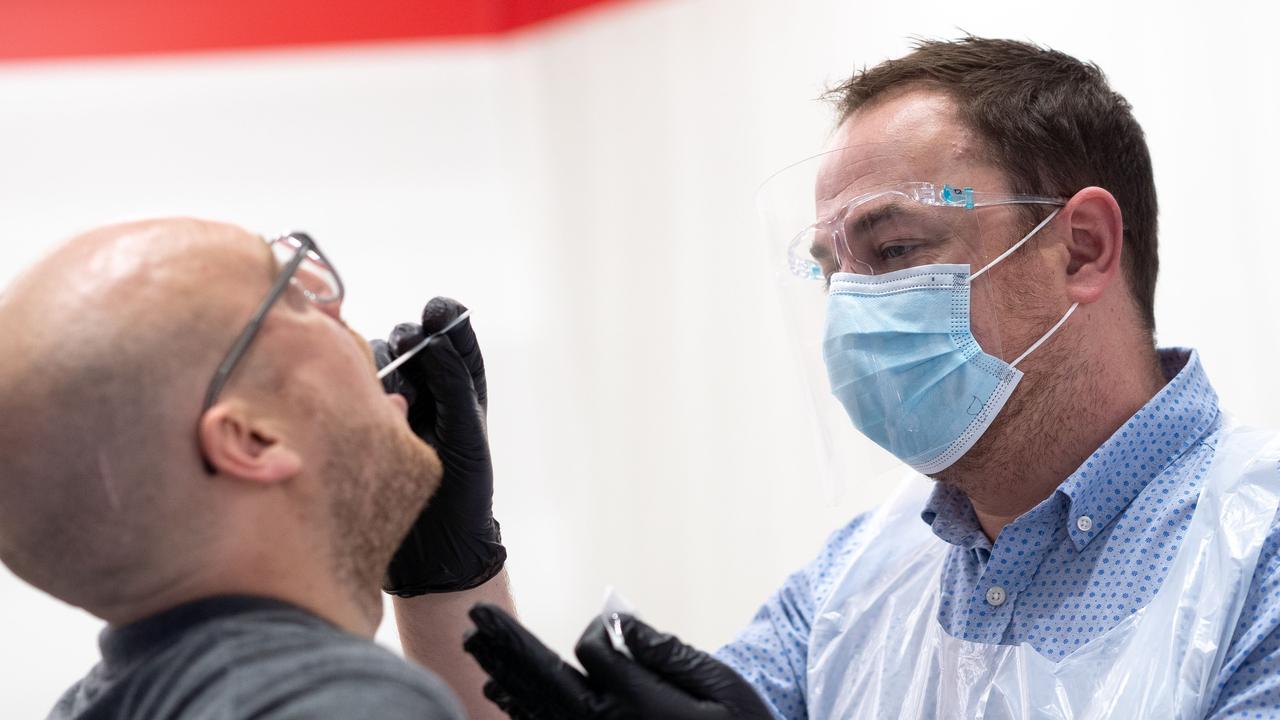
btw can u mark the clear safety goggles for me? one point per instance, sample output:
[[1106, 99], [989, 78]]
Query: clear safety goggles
[[895, 227]]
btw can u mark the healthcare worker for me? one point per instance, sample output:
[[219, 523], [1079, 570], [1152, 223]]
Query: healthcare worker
[[1082, 532]]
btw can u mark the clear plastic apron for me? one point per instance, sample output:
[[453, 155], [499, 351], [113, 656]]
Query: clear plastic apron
[[878, 651]]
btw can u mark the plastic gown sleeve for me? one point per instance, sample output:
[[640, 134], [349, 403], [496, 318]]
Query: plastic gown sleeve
[[772, 651], [1249, 684]]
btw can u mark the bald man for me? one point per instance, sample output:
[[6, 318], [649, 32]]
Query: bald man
[[233, 521]]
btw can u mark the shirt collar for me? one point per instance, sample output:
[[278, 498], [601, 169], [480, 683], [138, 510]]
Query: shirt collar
[[950, 515], [1182, 413], [121, 645]]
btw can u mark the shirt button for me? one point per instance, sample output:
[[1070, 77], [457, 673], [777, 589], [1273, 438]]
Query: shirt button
[[996, 595], [1085, 523]]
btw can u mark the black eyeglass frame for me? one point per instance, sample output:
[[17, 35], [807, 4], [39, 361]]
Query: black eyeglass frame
[[233, 357]]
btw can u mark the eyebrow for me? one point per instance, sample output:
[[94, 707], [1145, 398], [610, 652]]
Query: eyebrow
[[869, 220]]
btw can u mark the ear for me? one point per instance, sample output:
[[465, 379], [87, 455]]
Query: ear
[[236, 444], [1094, 243]]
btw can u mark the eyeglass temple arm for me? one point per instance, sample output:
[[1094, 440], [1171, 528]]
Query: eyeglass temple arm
[[232, 357]]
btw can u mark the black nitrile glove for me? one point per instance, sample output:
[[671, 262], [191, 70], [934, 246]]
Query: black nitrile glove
[[455, 544], [527, 680], [668, 680]]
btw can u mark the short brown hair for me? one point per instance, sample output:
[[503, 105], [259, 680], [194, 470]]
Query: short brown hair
[[1049, 121]]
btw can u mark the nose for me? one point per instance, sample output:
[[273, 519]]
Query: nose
[[332, 309]]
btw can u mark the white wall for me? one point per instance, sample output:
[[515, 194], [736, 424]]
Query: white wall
[[586, 187]]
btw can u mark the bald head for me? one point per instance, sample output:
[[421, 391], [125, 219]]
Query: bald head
[[111, 339], [120, 493]]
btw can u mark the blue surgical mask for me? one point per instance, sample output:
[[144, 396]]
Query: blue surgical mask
[[904, 363]]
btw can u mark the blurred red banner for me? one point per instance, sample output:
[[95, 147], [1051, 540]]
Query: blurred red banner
[[71, 28]]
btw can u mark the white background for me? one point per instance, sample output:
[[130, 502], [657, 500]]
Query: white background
[[586, 187]]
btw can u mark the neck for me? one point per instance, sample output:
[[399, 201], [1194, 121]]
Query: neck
[[1066, 407], [299, 583]]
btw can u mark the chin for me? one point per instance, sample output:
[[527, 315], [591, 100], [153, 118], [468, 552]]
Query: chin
[[379, 482]]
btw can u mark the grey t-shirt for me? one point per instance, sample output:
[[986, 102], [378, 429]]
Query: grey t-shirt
[[238, 657]]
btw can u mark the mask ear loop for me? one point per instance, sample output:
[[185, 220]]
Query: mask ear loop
[[1006, 254], [1045, 336], [1016, 245]]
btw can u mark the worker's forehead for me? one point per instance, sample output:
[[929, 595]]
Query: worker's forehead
[[909, 136]]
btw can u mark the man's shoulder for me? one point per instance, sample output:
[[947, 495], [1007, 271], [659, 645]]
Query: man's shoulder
[[1260, 614], [294, 660], [1266, 576], [839, 546], [265, 664], [1260, 459]]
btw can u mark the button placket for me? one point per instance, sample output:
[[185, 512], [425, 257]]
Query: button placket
[[990, 609], [1015, 558]]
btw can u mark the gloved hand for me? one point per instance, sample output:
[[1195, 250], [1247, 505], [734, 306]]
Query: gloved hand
[[668, 680], [455, 544]]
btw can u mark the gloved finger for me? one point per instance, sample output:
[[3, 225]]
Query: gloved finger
[[525, 692], [440, 377], [395, 382], [497, 695], [496, 630], [686, 667], [538, 686], [437, 314], [521, 685], [404, 337], [460, 420], [410, 380], [381, 353], [500, 697], [526, 669], [614, 672]]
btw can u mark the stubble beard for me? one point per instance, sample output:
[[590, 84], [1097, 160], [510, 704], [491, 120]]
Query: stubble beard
[[380, 480], [1028, 430]]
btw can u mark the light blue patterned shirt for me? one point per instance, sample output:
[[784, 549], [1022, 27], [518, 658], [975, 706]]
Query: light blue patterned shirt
[[1071, 568]]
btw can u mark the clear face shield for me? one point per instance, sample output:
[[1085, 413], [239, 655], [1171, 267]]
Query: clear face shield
[[884, 287]]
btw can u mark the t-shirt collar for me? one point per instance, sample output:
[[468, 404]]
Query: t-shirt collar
[[125, 644]]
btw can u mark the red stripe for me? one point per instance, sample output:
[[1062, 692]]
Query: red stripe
[[70, 28]]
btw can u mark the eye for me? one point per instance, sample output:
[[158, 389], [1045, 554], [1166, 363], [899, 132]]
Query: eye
[[296, 298], [893, 252], [826, 267]]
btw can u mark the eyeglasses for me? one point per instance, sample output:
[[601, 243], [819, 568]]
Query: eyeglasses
[[302, 265], [897, 226]]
